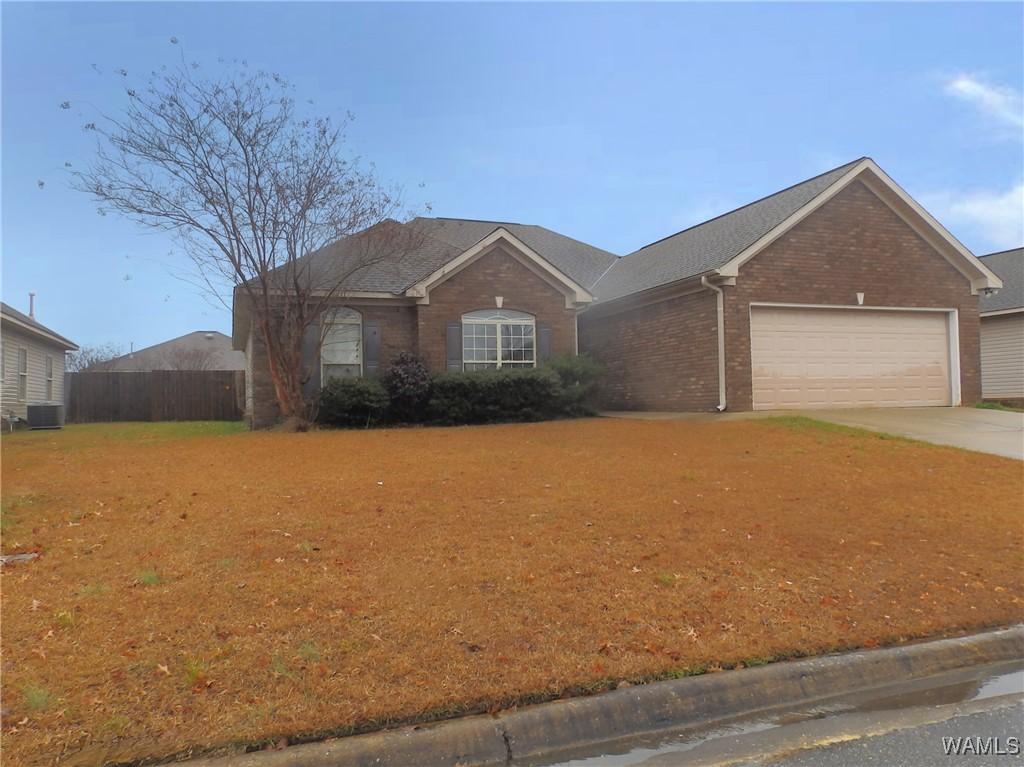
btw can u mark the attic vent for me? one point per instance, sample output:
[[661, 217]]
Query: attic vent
[[208, 336]]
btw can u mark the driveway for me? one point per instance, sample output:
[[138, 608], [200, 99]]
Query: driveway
[[986, 431]]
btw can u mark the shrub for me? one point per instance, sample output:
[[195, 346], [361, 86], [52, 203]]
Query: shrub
[[580, 377], [352, 402], [491, 396], [407, 383]]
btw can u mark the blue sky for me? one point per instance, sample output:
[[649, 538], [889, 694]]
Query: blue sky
[[615, 124]]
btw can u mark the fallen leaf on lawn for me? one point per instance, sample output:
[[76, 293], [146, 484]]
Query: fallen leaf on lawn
[[163, 669]]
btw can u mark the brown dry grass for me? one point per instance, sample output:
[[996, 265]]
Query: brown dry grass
[[197, 591]]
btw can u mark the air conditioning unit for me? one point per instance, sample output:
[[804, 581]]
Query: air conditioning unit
[[45, 416]]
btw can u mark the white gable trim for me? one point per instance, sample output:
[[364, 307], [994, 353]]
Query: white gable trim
[[981, 277], [63, 343], [576, 294]]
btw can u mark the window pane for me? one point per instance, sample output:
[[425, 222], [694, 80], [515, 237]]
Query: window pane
[[517, 344], [479, 343], [342, 345]]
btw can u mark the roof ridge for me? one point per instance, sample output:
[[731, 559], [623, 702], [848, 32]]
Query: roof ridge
[[747, 205], [475, 220]]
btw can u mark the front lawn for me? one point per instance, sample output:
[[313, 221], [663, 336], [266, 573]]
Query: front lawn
[[199, 588]]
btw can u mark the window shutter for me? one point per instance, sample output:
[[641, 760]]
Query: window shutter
[[453, 346], [543, 343], [371, 348], [311, 360]]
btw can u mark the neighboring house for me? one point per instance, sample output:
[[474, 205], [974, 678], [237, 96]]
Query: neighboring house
[[1002, 330], [31, 362], [840, 291], [200, 350]]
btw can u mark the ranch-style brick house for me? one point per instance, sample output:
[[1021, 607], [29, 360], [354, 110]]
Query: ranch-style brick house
[[840, 291]]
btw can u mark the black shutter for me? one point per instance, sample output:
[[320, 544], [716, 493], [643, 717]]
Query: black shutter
[[371, 348], [453, 346], [543, 343], [311, 360]]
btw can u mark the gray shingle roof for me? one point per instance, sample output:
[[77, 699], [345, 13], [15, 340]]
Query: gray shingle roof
[[1009, 267], [427, 244], [711, 244], [13, 313], [201, 349]]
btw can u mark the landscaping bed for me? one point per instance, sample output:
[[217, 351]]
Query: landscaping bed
[[198, 589]]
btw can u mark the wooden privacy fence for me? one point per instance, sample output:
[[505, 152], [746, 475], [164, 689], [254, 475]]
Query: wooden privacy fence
[[157, 395]]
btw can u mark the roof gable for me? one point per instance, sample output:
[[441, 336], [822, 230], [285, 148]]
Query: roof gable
[[436, 242], [723, 244], [575, 293]]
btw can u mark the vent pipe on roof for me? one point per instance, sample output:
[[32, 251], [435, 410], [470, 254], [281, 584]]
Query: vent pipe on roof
[[31, 306]]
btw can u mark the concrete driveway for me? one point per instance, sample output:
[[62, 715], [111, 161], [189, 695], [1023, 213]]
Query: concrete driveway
[[987, 431]]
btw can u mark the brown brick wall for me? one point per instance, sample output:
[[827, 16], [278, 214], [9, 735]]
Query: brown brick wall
[[853, 243], [662, 356], [397, 334], [494, 274], [421, 328]]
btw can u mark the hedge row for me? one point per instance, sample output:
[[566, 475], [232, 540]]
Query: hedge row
[[406, 393]]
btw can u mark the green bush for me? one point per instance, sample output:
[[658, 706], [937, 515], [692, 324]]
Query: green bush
[[407, 383], [352, 402], [580, 377], [492, 396]]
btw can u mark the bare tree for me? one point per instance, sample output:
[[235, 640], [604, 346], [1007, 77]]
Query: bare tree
[[254, 191], [91, 359], [189, 359]]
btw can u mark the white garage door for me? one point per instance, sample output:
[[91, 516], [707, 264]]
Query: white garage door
[[808, 358]]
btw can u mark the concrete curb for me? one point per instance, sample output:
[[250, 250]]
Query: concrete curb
[[548, 729]]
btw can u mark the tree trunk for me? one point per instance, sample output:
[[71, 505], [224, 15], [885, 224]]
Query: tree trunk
[[284, 365]]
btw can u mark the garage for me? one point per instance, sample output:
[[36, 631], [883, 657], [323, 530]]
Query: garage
[[817, 357]]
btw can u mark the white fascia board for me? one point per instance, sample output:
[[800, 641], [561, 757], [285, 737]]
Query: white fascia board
[[981, 276], [1001, 312], [62, 342], [422, 288]]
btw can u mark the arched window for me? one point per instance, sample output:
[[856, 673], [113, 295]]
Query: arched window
[[498, 338], [341, 353]]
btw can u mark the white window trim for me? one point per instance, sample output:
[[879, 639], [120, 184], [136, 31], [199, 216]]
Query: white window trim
[[530, 320], [22, 375], [351, 320], [48, 372]]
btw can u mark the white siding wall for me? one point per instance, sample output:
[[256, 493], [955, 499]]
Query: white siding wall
[[1002, 356], [11, 340]]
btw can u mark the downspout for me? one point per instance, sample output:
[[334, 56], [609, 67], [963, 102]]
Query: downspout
[[721, 341]]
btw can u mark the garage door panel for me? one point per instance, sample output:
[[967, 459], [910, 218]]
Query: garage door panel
[[848, 358]]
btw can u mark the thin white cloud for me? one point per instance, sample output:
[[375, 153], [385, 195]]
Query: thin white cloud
[[1000, 102], [986, 219]]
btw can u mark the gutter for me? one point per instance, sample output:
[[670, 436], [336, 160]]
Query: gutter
[[721, 341]]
